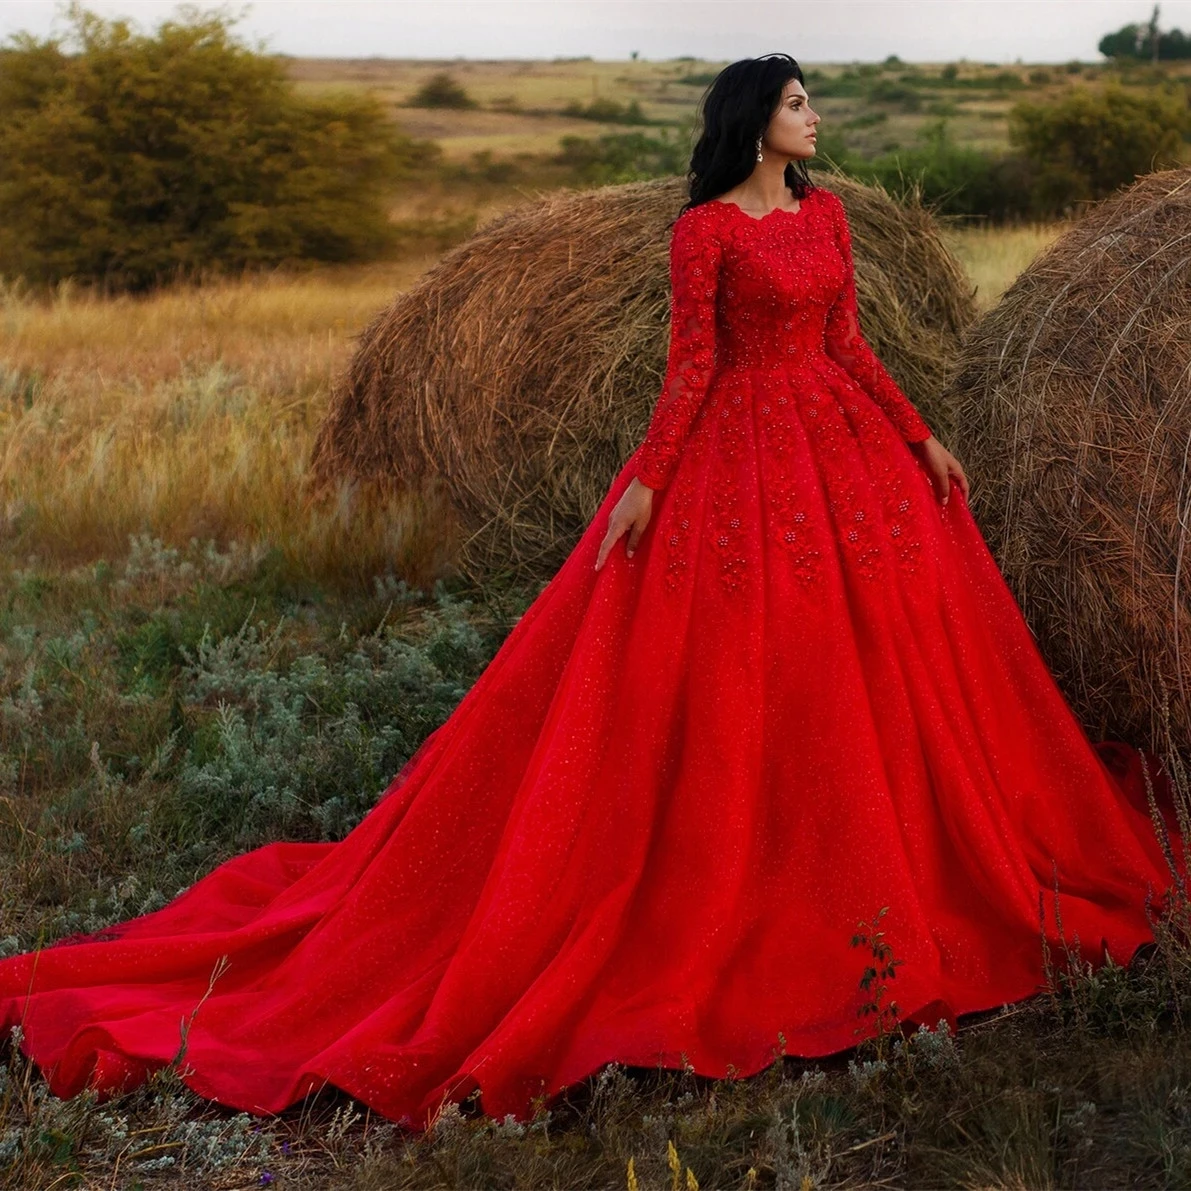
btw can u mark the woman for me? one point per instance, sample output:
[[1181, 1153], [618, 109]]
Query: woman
[[796, 697]]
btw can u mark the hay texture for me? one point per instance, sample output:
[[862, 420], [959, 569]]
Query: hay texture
[[1072, 411], [522, 369]]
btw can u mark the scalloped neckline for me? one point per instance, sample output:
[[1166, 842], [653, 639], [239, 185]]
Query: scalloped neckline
[[761, 218]]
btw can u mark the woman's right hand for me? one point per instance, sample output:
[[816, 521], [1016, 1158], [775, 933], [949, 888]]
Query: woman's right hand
[[630, 514]]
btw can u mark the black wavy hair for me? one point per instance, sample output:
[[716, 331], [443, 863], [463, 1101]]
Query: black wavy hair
[[734, 110]]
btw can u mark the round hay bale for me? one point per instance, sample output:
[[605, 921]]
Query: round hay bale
[[523, 368], [1072, 408]]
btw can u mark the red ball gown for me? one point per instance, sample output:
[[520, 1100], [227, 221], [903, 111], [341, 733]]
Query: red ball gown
[[650, 829]]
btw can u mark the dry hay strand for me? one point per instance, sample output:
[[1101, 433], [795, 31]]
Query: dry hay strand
[[1073, 416], [523, 368]]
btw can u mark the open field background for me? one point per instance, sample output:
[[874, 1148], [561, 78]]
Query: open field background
[[507, 144], [874, 106], [194, 661]]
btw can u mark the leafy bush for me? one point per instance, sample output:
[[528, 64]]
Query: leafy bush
[[953, 178], [623, 157], [307, 745], [184, 1138], [845, 85], [138, 157], [609, 111], [894, 94], [166, 710], [1087, 144], [1080, 147], [1006, 80], [441, 91], [865, 120]]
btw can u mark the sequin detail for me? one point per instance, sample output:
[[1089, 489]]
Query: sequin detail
[[770, 388]]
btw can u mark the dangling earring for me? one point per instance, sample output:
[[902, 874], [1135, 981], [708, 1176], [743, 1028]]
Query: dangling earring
[[759, 157]]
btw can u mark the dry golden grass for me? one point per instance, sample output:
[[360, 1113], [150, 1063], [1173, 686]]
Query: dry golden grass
[[191, 413], [994, 256]]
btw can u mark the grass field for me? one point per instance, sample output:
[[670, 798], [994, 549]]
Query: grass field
[[869, 106], [184, 414], [152, 457]]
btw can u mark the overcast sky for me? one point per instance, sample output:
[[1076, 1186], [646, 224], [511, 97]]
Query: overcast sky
[[822, 30]]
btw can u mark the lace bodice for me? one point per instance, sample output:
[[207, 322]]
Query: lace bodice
[[759, 294]]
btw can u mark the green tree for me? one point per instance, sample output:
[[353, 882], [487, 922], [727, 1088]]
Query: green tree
[[1126, 42], [138, 158], [1087, 144], [1145, 41]]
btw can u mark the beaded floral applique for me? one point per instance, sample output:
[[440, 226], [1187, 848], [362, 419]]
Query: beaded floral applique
[[790, 509], [766, 359]]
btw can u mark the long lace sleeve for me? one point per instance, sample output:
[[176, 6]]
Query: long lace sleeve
[[694, 275], [848, 347]]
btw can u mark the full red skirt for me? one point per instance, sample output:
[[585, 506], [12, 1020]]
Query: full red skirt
[[649, 831]]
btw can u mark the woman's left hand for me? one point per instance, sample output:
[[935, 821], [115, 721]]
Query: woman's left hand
[[941, 465]]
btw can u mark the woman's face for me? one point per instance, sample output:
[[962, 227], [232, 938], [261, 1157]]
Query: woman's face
[[791, 129]]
